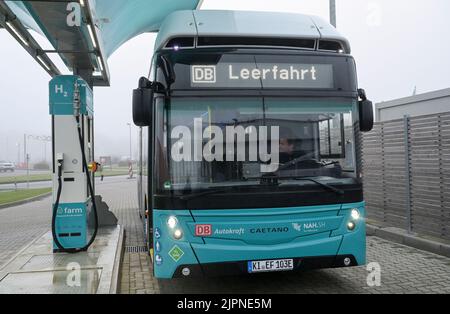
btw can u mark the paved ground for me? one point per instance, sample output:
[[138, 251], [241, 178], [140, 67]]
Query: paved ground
[[20, 225], [403, 269]]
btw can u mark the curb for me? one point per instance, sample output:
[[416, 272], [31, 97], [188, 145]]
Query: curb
[[25, 201], [115, 277], [400, 236]]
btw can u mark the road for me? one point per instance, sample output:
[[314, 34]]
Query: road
[[403, 269], [17, 173], [32, 185], [20, 172], [44, 184]]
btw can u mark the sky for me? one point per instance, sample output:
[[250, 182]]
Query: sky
[[398, 45]]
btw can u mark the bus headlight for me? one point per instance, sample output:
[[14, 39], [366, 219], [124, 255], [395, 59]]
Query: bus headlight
[[178, 234], [172, 222], [351, 225], [355, 214]]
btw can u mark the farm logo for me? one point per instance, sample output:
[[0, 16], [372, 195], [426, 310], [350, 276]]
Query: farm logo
[[70, 212]]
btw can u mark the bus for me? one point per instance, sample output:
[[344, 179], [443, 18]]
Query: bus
[[251, 128]]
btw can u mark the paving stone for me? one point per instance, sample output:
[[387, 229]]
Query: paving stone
[[22, 224], [403, 269]]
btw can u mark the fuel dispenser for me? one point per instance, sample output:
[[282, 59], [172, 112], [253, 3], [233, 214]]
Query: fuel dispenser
[[74, 206]]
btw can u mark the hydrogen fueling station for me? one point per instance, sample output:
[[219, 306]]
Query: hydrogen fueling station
[[258, 159], [82, 229]]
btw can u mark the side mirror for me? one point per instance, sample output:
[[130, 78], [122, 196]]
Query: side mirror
[[143, 103], [365, 112]]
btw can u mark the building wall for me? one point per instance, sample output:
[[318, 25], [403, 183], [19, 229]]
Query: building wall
[[424, 104]]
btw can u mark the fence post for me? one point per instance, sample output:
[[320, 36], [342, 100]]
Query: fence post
[[441, 177], [407, 173], [383, 174]]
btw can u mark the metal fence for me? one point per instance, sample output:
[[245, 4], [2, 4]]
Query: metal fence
[[406, 166]]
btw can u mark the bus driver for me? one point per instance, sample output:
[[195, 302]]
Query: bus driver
[[288, 143]]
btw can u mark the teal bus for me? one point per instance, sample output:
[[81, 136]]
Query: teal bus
[[250, 155]]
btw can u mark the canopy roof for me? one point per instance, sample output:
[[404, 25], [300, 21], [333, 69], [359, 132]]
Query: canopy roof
[[105, 26]]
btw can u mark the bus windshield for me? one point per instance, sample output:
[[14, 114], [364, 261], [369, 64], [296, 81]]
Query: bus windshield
[[204, 143]]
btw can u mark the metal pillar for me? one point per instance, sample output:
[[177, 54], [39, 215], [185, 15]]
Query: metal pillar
[[333, 12], [131, 158], [407, 174], [24, 148]]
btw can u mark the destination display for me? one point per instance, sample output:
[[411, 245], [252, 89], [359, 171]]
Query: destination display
[[266, 75]]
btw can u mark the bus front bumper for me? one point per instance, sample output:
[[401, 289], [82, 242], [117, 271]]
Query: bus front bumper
[[241, 267], [308, 237]]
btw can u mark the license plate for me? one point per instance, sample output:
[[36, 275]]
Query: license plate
[[270, 265]]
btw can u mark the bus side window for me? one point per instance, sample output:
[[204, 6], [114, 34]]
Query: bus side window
[[332, 137]]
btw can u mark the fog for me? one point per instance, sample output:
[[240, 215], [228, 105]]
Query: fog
[[399, 46]]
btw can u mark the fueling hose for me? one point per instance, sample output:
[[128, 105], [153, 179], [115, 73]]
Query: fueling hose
[[58, 195]]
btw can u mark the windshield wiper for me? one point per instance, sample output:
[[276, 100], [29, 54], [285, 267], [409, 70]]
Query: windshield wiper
[[267, 180], [326, 186], [213, 191], [273, 180]]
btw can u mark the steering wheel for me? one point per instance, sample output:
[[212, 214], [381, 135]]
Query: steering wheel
[[300, 159]]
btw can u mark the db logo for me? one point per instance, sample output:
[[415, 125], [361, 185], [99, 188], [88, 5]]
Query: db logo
[[203, 74], [203, 230]]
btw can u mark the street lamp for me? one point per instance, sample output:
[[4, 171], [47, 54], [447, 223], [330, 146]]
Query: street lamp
[[333, 12], [18, 154], [28, 170]]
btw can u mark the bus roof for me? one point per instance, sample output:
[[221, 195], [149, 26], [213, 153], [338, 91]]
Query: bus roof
[[207, 28]]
